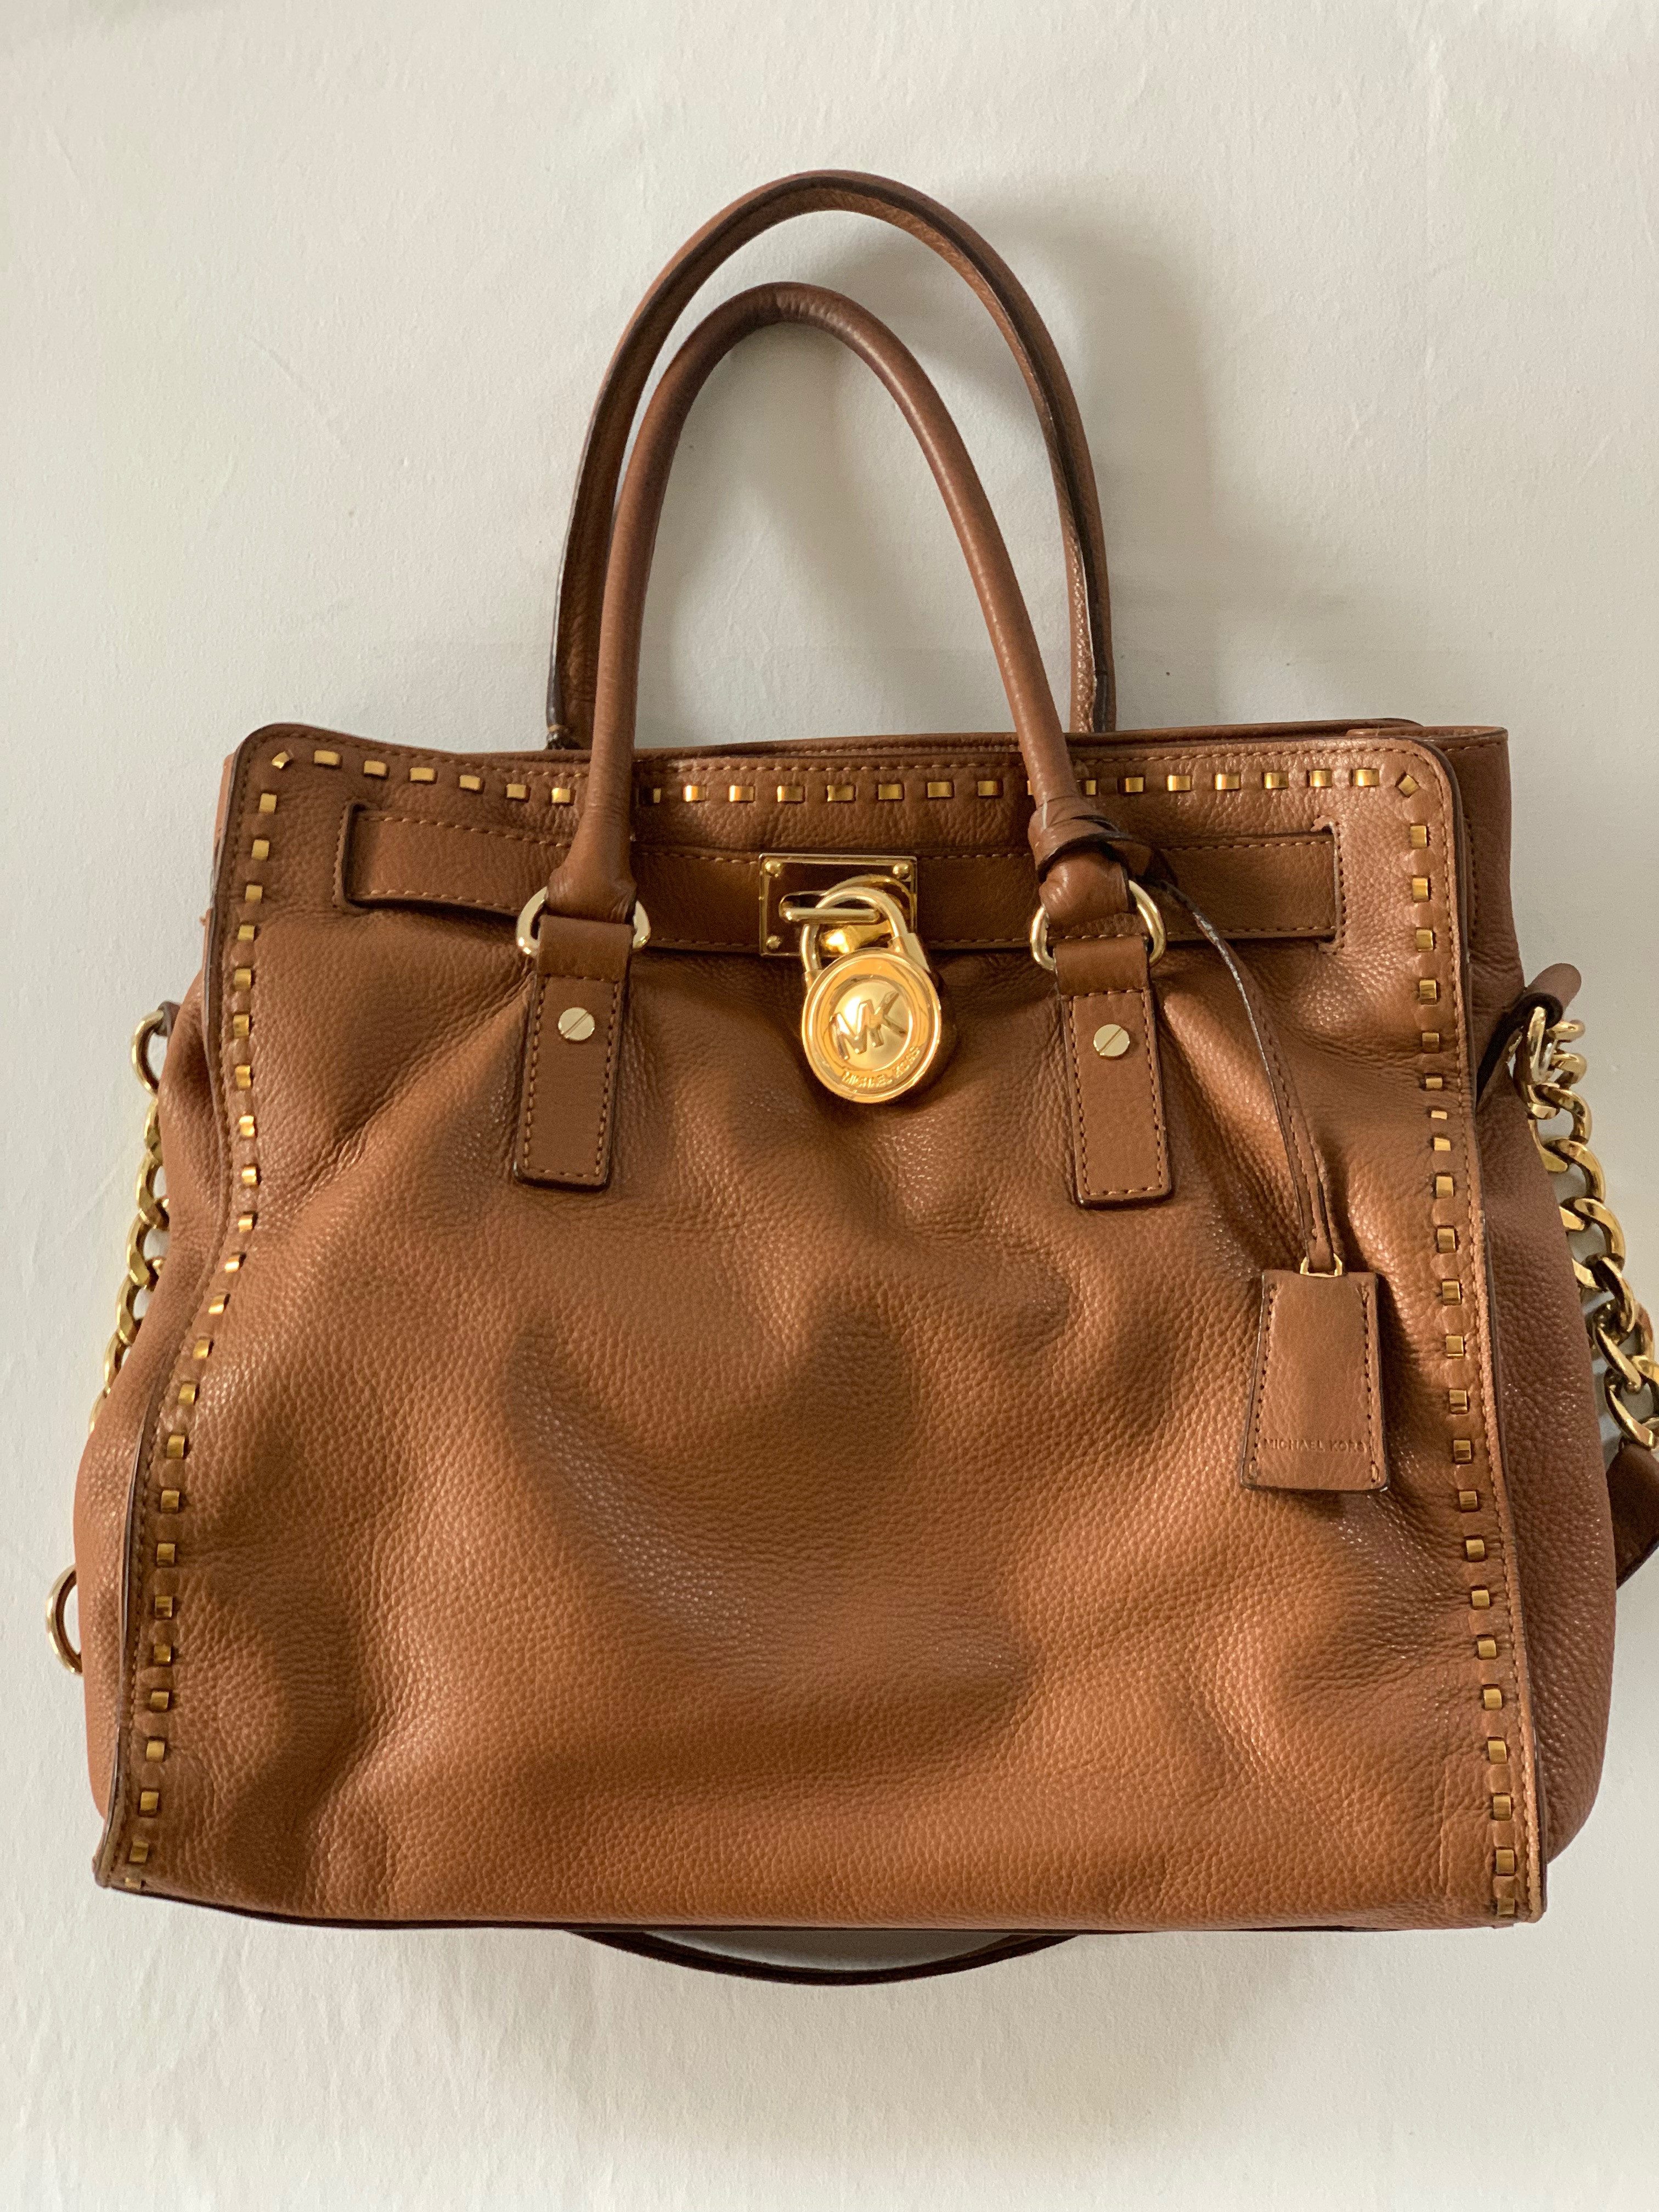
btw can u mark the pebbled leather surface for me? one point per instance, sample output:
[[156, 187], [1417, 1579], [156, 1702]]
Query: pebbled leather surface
[[829, 1520]]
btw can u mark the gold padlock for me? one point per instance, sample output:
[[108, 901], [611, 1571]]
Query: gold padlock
[[873, 1026]]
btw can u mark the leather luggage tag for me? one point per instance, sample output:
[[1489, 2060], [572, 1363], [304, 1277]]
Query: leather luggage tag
[[1315, 1410], [570, 1052], [1119, 1153]]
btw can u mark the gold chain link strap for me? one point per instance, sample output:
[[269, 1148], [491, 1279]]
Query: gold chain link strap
[[143, 1266], [1546, 1073], [144, 1270]]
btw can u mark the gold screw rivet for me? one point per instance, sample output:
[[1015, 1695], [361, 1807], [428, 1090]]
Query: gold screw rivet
[[901, 869], [773, 867], [576, 1025], [1111, 1041]]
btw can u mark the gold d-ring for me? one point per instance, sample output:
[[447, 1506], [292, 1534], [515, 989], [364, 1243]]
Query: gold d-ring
[[531, 913], [57, 1599], [1158, 937]]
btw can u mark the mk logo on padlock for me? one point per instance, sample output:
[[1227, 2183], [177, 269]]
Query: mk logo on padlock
[[873, 1026]]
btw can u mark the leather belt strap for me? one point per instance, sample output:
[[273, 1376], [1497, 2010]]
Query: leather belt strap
[[708, 901]]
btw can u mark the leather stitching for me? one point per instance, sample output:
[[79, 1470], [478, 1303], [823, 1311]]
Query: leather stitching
[[535, 1159], [1263, 1354]]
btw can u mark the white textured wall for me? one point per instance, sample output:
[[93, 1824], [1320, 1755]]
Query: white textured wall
[[304, 304]]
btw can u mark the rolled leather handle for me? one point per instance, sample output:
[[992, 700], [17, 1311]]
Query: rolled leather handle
[[595, 880], [573, 673]]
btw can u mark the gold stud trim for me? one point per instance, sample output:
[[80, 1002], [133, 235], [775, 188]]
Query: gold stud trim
[[518, 791], [941, 789], [267, 802], [324, 757], [418, 774], [470, 782], [739, 794], [1177, 783], [562, 794], [1367, 779], [1225, 781], [375, 768], [988, 786], [1319, 779], [693, 793], [280, 760], [149, 1801], [1420, 836], [792, 794], [837, 794], [889, 791], [1134, 785], [1275, 779]]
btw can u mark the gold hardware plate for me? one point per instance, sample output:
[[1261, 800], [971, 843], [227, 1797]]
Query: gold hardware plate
[[796, 875]]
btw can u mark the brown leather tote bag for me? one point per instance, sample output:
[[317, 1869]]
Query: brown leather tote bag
[[959, 1333]]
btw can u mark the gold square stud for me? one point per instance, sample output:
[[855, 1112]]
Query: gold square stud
[[1503, 1861], [838, 794], [1319, 779], [1428, 991], [1486, 1647], [149, 1801], [155, 1750], [1457, 1347], [267, 802], [375, 768], [1480, 1599], [562, 794], [324, 757], [1420, 835], [1407, 784], [693, 793], [1445, 1186], [740, 795], [1177, 783], [1420, 887], [1502, 1805], [792, 794], [1445, 1240], [423, 774], [988, 786], [941, 790], [1492, 1699], [518, 791], [1367, 778], [1225, 781], [1475, 1548], [1462, 1451], [470, 782], [1275, 779]]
